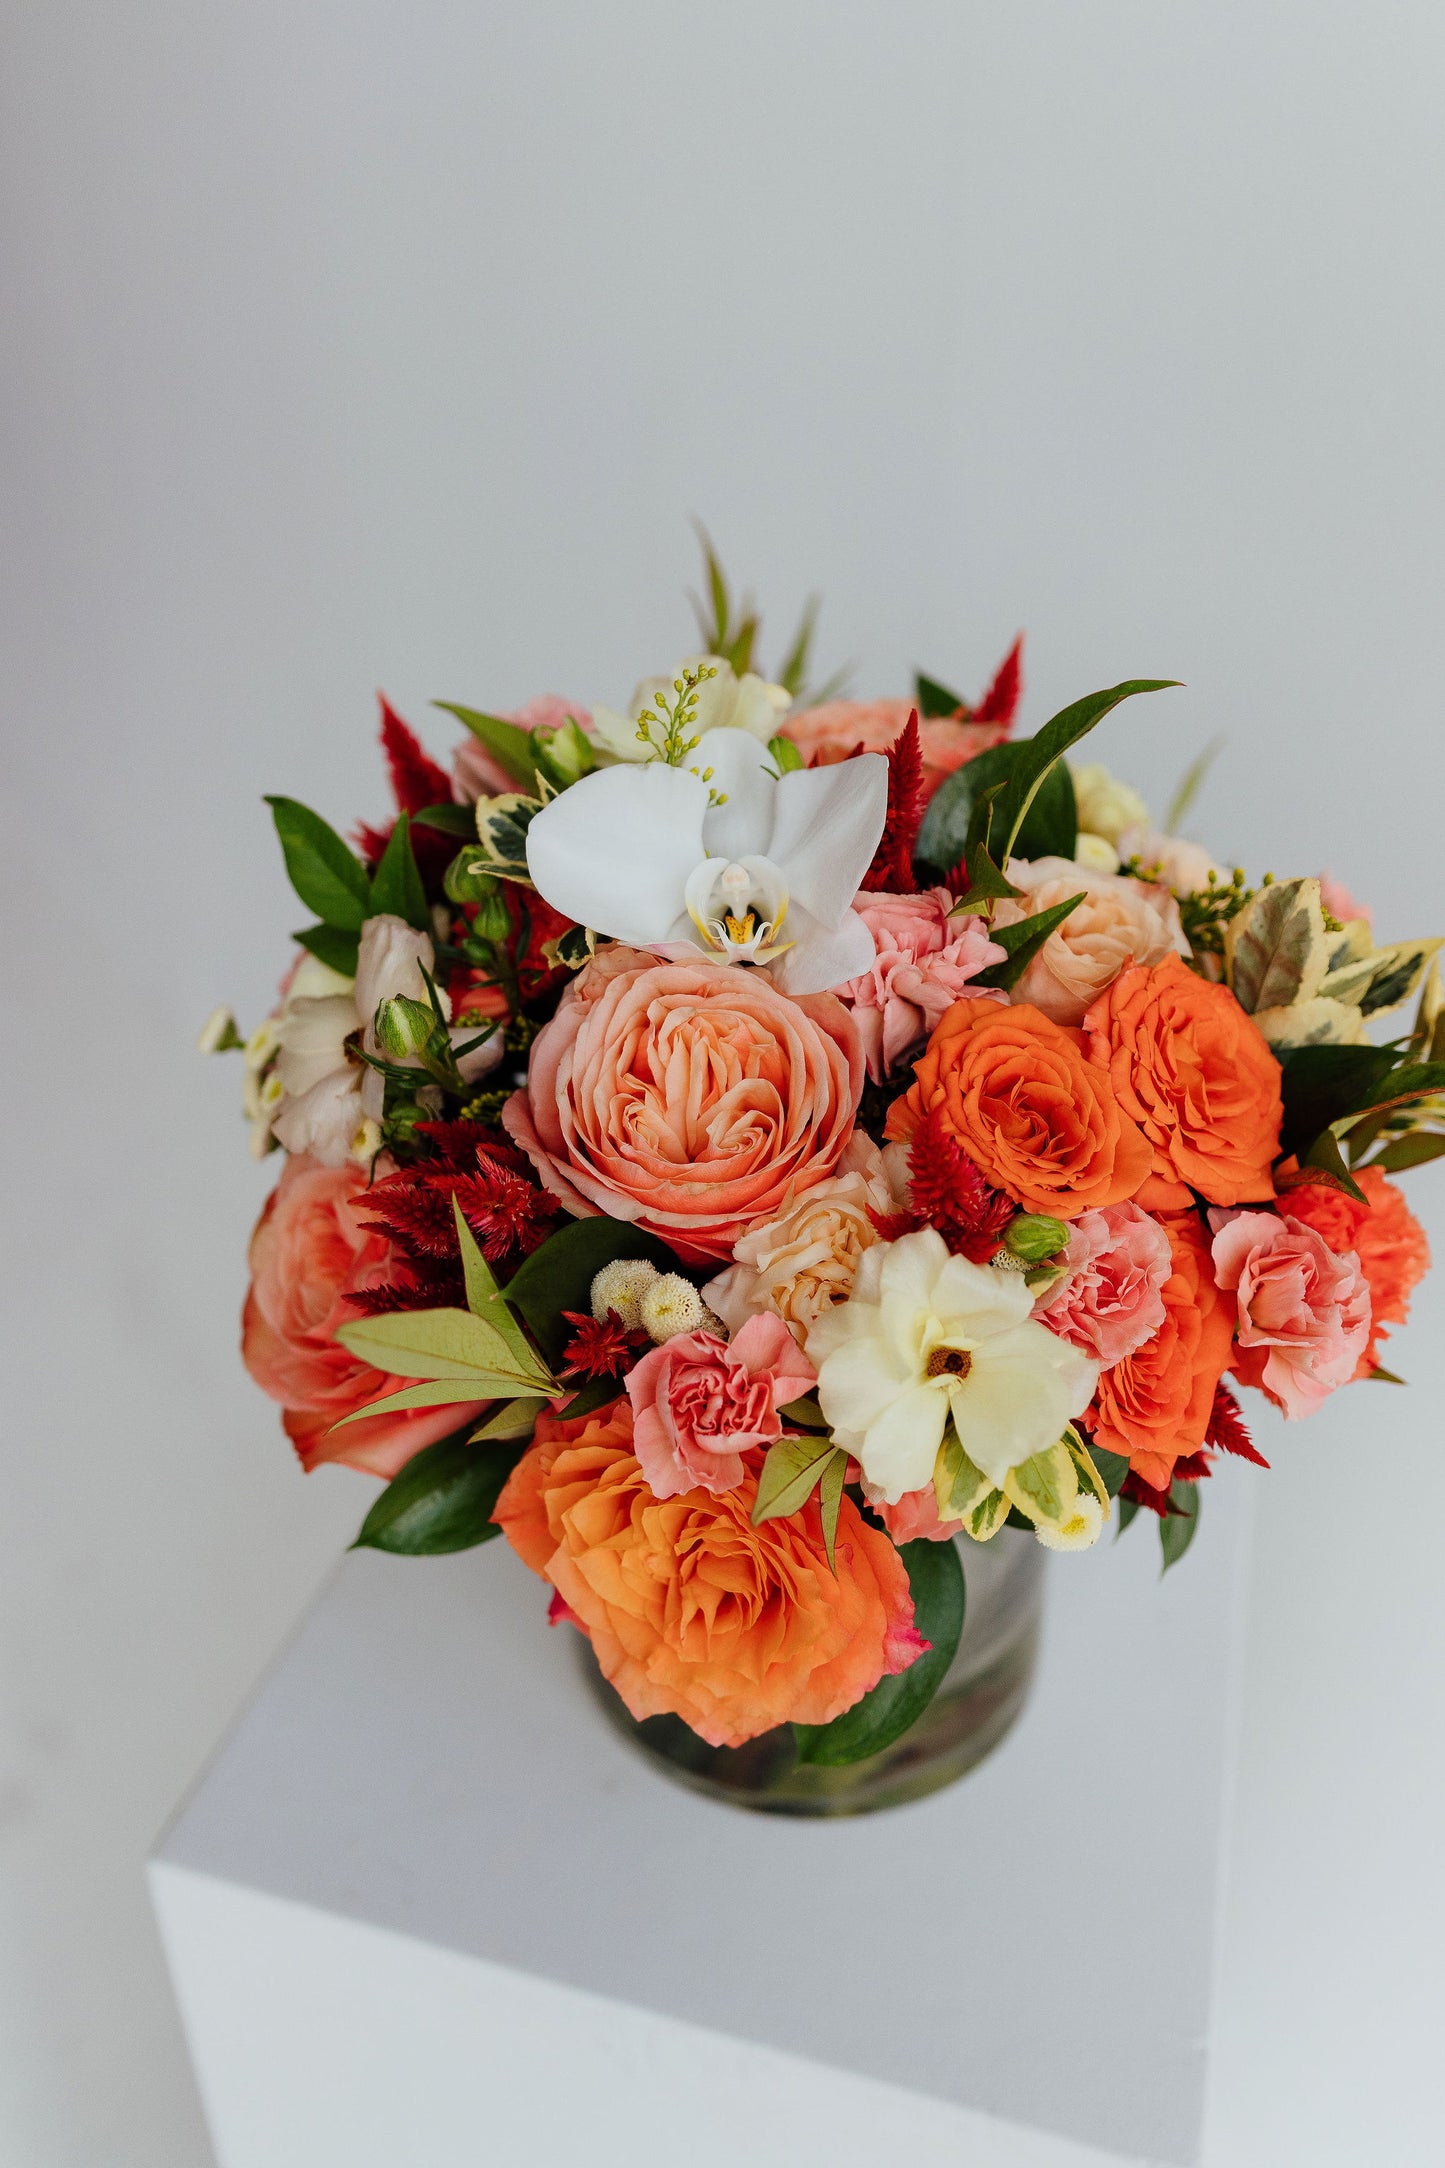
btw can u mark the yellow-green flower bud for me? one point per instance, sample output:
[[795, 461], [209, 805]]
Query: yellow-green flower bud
[[1033, 1236]]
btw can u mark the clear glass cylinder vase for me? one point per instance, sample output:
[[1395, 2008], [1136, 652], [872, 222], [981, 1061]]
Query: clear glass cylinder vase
[[981, 1696]]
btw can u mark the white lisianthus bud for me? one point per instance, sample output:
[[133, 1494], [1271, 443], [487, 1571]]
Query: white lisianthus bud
[[1106, 806], [620, 1287], [218, 1034], [672, 1305], [1096, 853]]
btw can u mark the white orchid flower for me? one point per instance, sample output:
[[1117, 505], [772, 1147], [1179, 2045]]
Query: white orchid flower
[[723, 856], [724, 702], [925, 1336]]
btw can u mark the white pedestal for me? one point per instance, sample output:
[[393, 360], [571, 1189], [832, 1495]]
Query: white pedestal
[[427, 1907]]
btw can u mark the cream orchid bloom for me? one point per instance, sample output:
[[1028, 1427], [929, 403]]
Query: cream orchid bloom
[[724, 702], [925, 1336], [723, 855]]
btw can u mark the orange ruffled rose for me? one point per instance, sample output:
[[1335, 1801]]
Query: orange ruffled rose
[[311, 1249], [1155, 1404], [692, 1611], [1019, 1095], [1384, 1234], [1197, 1076], [694, 1099]]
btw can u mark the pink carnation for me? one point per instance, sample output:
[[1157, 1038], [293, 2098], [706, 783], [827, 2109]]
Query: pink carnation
[[1304, 1310], [476, 773], [1111, 1298], [923, 961], [699, 1403]]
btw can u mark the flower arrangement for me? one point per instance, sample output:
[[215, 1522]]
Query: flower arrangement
[[734, 1146]]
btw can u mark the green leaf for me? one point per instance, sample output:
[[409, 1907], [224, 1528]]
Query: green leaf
[[508, 745], [596, 1393], [514, 1419], [790, 1474], [1276, 950], [443, 1500], [434, 1393], [952, 827], [396, 884], [804, 1414], [1412, 1080], [484, 1300], [934, 699], [1381, 1376], [328, 877], [793, 669], [449, 820], [330, 946], [1328, 1162], [1323, 1084], [1190, 785], [1409, 1152], [1128, 1507], [1176, 1530], [986, 885], [1382, 978], [559, 1275], [442, 1343], [786, 757], [1023, 942], [501, 847], [1037, 757], [1113, 1467], [830, 1498], [935, 1578]]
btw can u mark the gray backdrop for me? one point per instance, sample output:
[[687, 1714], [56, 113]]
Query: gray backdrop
[[383, 345]]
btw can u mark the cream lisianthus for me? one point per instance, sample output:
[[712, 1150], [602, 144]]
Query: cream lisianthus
[[724, 702], [925, 1336]]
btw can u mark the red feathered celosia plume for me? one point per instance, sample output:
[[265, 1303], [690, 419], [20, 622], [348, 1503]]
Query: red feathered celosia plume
[[1226, 1428], [1000, 703], [417, 781], [891, 872], [599, 1349], [500, 1201], [947, 1192]]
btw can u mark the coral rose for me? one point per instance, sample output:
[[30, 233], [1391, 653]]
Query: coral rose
[[840, 727], [699, 1404], [1016, 1093], [311, 1249], [1111, 1298], [1303, 1310], [799, 1264], [922, 961], [1120, 922], [692, 1611], [693, 1099], [1196, 1075], [1383, 1233], [1155, 1404]]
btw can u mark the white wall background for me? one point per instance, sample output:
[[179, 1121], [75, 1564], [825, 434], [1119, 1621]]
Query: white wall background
[[388, 344]]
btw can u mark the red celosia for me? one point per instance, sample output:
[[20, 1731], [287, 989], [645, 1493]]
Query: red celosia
[[599, 1348], [946, 1191], [891, 872], [1227, 1431], [416, 779], [500, 1199], [1000, 703]]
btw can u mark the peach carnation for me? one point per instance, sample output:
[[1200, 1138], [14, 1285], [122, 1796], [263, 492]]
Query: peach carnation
[[311, 1249], [840, 727], [1120, 922], [1195, 1073], [1383, 1233], [1303, 1309], [693, 1099], [1017, 1094], [692, 1611], [922, 961], [799, 1264], [1155, 1404], [699, 1403]]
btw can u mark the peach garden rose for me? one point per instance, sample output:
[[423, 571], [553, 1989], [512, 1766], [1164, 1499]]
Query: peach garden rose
[[1120, 922]]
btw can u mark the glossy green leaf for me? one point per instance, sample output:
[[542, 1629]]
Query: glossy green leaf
[[935, 1578], [442, 1501], [949, 831], [934, 699], [1023, 942], [1128, 1507], [330, 946], [791, 1472], [328, 877], [1323, 1084], [830, 1498], [1176, 1530], [1038, 757], [442, 1343], [1113, 1467], [1327, 1162], [1412, 1080], [1407, 1152], [514, 1419], [448, 820], [558, 1276], [396, 888], [508, 745]]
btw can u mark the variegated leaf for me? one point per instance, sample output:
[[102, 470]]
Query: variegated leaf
[[502, 825], [987, 1517], [1383, 979], [1276, 950], [958, 1486], [1046, 1487], [1317, 1022]]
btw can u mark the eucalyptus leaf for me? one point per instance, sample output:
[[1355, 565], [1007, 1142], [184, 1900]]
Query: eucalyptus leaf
[[508, 745], [396, 889], [935, 1579], [332, 947], [443, 1500], [325, 873]]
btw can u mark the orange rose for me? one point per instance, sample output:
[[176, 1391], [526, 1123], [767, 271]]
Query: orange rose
[[1197, 1076], [691, 1610], [311, 1249], [691, 1098], [1384, 1234], [1033, 1114], [840, 727], [1155, 1404]]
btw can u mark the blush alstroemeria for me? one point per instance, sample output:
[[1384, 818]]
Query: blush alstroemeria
[[925, 1336], [723, 856]]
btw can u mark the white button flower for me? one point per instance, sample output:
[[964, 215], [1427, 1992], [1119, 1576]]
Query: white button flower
[[926, 1335], [724, 702], [722, 855]]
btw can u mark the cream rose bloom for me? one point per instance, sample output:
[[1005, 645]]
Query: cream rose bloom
[[1183, 866], [1120, 922], [1106, 806], [806, 1259]]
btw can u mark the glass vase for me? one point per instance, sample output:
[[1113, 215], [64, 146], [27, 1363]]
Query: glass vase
[[981, 1696]]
